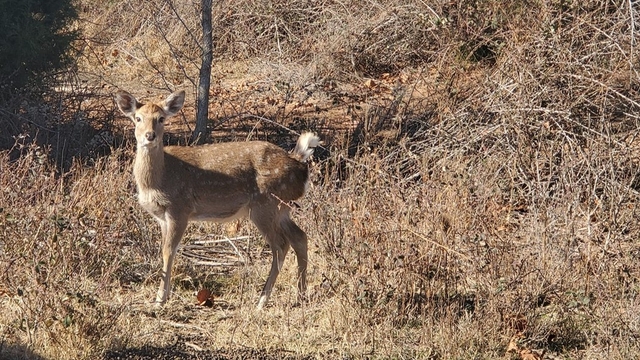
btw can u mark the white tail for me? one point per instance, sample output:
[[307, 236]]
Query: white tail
[[219, 182]]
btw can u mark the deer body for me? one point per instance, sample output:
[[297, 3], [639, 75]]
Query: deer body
[[217, 182]]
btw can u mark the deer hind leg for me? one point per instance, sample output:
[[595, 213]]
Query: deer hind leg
[[298, 240], [172, 231], [267, 221]]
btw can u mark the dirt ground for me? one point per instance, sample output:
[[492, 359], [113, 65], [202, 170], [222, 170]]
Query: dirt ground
[[180, 350]]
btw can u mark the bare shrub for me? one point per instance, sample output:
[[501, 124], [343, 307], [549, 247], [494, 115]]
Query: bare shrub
[[58, 258]]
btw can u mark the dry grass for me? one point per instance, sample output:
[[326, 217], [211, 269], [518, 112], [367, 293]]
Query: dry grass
[[483, 193]]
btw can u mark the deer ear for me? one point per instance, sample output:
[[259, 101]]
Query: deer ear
[[173, 103], [127, 103]]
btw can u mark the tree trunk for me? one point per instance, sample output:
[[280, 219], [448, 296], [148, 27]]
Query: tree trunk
[[202, 113]]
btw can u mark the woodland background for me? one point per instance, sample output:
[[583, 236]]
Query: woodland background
[[476, 196]]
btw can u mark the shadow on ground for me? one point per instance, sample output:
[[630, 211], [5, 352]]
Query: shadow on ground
[[181, 351], [17, 352]]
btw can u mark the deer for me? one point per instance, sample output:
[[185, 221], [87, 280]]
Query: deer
[[218, 182]]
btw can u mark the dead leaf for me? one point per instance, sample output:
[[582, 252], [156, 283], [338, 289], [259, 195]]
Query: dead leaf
[[233, 228], [205, 298], [527, 354], [513, 344], [370, 83]]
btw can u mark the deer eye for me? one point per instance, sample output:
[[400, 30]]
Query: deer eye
[[138, 119], [161, 119]]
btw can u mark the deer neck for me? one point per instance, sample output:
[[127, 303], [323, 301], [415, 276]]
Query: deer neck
[[148, 167]]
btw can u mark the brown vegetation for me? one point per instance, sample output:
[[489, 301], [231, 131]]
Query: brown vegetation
[[477, 197]]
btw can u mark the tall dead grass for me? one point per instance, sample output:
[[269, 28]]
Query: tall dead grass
[[332, 40], [490, 199]]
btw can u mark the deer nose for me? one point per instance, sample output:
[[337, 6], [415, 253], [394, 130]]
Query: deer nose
[[150, 135]]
